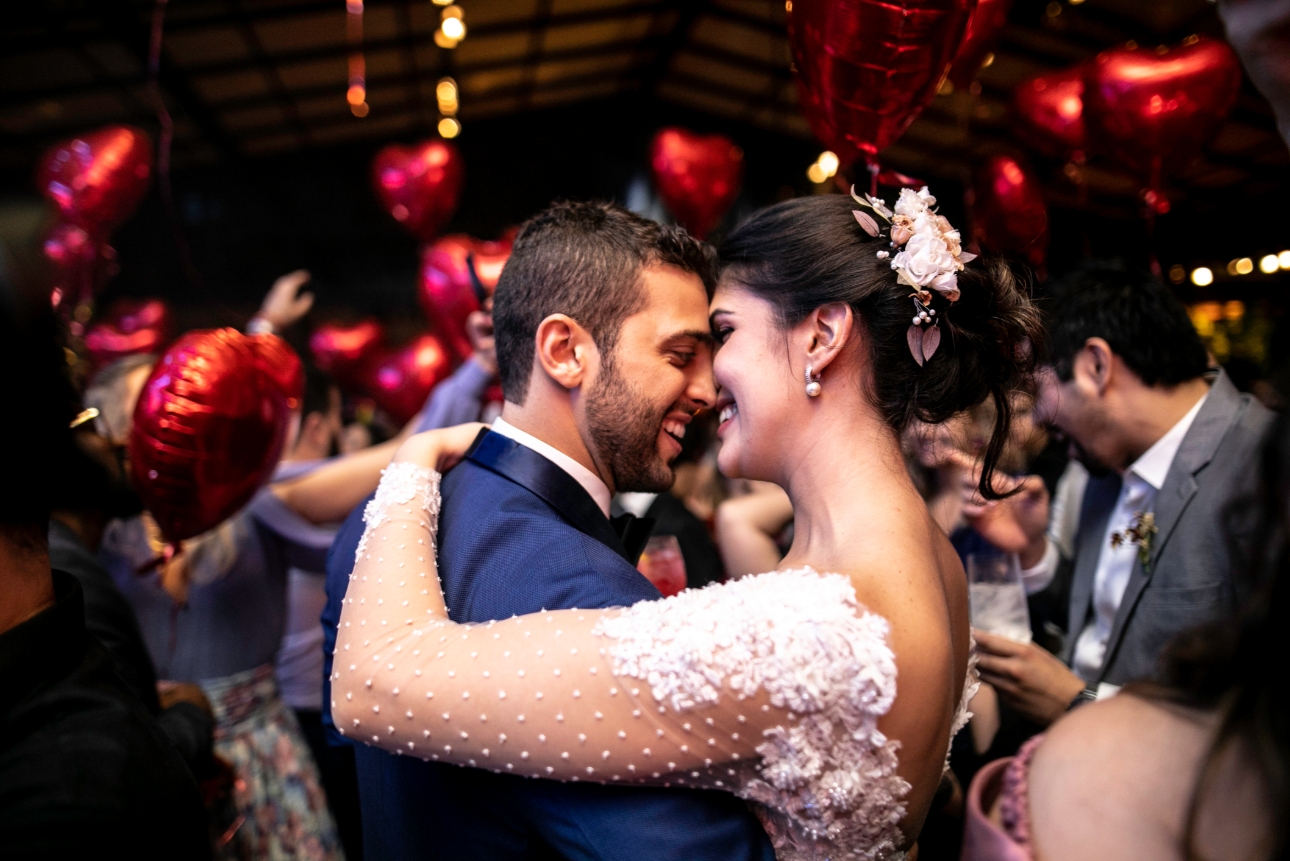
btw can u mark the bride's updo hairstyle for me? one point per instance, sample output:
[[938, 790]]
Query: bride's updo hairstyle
[[811, 251]]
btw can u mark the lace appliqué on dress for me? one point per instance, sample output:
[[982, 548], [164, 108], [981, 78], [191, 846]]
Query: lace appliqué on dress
[[401, 485], [825, 785]]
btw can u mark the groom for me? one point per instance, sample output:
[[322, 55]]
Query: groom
[[604, 353]]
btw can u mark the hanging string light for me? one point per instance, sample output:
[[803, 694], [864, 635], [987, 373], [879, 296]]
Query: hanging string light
[[446, 94], [356, 95], [452, 27]]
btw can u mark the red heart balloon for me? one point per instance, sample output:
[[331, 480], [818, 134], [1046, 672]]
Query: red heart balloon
[[697, 176], [1155, 110], [79, 265], [419, 185], [1008, 212], [97, 180], [1049, 112], [978, 40], [867, 68], [448, 292], [131, 326], [345, 351], [401, 380], [210, 425]]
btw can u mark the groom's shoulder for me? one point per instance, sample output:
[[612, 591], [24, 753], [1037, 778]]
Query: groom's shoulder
[[502, 547]]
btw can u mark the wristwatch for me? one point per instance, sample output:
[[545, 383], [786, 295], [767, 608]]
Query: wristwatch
[[1088, 695], [259, 326]]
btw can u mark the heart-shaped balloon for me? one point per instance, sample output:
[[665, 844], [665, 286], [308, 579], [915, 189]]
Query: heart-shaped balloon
[[130, 326], [867, 68], [450, 292], [1154, 110], [96, 180], [79, 265], [1048, 111], [401, 380], [210, 425], [1008, 212], [345, 351], [978, 40], [419, 185], [698, 176]]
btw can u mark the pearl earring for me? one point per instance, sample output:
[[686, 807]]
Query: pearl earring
[[813, 387]]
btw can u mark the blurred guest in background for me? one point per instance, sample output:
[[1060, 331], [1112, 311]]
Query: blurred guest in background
[[752, 528], [87, 491], [85, 771], [1168, 450], [1191, 767]]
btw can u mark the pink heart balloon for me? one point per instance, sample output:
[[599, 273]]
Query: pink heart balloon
[[867, 68], [419, 185], [1154, 110], [448, 290], [1049, 112], [96, 180], [401, 380], [697, 176], [1008, 214], [131, 326], [79, 266], [210, 425], [979, 39]]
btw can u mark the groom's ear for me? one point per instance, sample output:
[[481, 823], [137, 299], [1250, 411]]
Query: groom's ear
[[566, 352], [828, 329]]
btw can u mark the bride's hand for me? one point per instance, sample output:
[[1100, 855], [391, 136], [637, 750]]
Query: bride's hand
[[440, 449]]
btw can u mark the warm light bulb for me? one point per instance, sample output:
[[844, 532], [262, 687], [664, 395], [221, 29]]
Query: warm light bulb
[[356, 95], [1244, 266], [442, 2], [1202, 276], [453, 29], [360, 110], [1283, 259], [441, 39], [452, 12], [1268, 264], [449, 128], [1177, 274], [816, 173], [446, 90], [828, 163]]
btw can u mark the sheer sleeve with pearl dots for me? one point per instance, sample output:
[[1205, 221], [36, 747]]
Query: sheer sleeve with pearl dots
[[769, 687]]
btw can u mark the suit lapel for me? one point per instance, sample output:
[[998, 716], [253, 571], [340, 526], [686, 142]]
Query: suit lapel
[[1095, 512], [1221, 410], [549, 482]]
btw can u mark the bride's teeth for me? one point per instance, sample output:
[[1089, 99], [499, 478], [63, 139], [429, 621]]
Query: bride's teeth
[[728, 412]]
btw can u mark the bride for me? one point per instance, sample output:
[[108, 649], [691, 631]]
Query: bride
[[825, 692]]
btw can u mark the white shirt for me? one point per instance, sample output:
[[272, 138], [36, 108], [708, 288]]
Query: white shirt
[[589, 480], [1142, 481]]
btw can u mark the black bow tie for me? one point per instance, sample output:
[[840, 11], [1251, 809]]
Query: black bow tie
[[634, 532]]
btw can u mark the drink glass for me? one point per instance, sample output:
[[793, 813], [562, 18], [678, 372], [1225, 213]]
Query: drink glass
[[997, 598], [663, 565]]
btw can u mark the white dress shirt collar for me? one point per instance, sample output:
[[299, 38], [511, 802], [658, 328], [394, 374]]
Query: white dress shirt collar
[[589, 480], [1154, 464]]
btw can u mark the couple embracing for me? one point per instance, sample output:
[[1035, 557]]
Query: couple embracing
[[801, 713]]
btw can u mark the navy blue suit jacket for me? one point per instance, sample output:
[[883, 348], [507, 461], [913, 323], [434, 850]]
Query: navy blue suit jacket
[[518, 535]]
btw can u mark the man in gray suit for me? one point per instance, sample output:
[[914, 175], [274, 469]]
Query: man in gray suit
[[1171, 451]]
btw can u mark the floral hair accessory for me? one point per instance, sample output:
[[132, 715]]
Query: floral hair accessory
[[929, 258]]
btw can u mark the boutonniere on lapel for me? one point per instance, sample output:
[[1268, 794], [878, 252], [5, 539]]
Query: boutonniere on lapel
[[1140, 530]]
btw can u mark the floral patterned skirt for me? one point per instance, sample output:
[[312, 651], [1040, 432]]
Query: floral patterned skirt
[[280, 802]]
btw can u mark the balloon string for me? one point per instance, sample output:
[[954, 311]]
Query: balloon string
[[874, 169], [164, 145]]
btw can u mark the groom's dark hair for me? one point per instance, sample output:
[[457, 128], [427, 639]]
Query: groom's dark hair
[[583, 259]]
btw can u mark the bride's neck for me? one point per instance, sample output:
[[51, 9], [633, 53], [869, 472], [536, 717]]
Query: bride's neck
[[843, 485]]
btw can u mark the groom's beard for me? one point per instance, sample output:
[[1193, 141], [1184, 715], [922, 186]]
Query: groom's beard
[[625, 429]]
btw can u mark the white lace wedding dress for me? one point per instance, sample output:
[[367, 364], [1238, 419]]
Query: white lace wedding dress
[[769, 687]]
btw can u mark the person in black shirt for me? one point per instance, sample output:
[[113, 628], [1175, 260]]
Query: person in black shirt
[[85, 771]]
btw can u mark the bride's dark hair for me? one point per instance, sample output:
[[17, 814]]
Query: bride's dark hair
[[810, 251]]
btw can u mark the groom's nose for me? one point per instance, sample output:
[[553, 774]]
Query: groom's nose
[[702, 388]]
